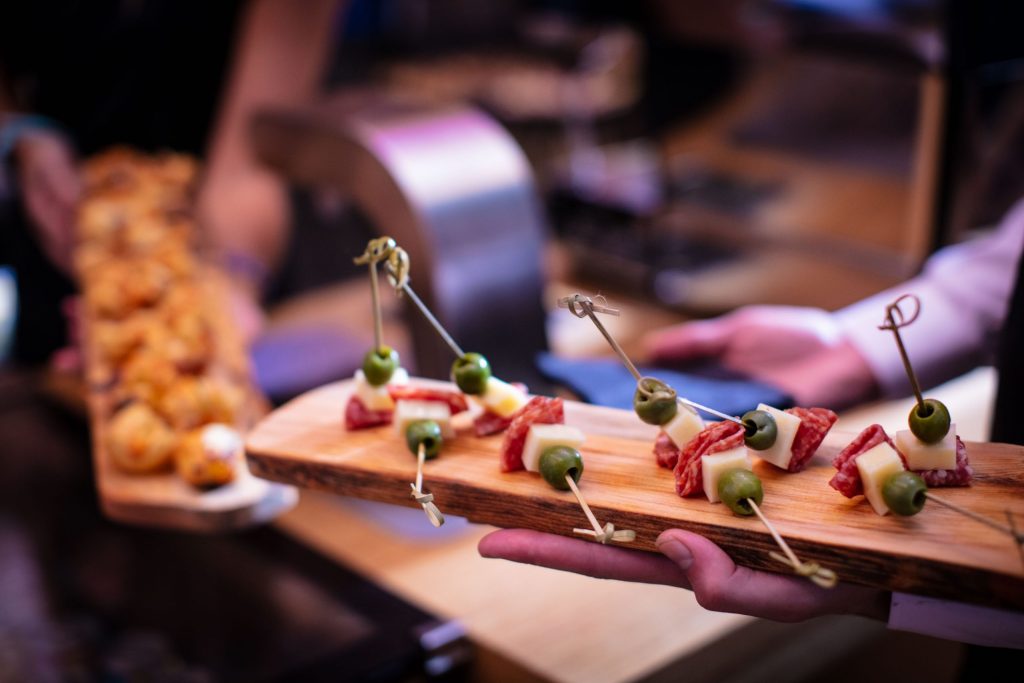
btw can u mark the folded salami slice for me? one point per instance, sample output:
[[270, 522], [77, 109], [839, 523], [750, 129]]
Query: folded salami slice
[[488, 423], [960, 476], [358, 416], [815, 424], [455, 400], [847, 479], [540, 410], [666, 451], [716, 437]]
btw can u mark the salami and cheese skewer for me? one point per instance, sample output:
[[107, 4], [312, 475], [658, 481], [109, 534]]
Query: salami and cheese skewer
[[371, 404], [657, 403], [471, 372], [551, 449], [873, 465], [424, 439]]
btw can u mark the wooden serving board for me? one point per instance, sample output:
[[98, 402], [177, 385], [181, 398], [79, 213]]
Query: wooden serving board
[[937, 553], [163, 499]]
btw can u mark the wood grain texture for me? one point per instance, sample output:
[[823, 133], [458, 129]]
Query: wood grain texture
[[163, 499], [937, 553]]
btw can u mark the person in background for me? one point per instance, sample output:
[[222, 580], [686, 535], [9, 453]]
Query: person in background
[[972, 311], [76, 78]]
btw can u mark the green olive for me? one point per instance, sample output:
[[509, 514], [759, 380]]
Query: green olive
[[654, 401], [736, 488], [471, 372], [379, 365], [929, 421], [426, 432], [558, 461], [905, 493], [760, 430]]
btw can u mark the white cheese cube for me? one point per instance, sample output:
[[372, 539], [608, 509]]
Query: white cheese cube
[[377, 398], [543, 436], [715, 465], [502, 398], [684, 426], [928, 456], [413, 411], [781, 451], [876, 466]]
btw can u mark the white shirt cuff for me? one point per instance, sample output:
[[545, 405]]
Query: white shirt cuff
[[957, 621]]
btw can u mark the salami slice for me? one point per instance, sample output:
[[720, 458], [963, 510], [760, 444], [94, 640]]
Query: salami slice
[[716, 437], [540, 410], [961, 476], [488, 423], [847, 479], [666, 451], [814, 426], [455, 400], [358, 416]]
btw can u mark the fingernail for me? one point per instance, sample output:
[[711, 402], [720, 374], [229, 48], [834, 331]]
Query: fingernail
[[677, 552]]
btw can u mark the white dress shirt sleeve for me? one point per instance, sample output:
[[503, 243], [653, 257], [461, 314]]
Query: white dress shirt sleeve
[[957, 621], [965, 291]]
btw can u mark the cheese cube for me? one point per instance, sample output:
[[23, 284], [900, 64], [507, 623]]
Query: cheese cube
[[781, 451], [715, 465], [413, 411], [876, 466], [543, 436], [684, 426], [502, 398], [378, 398], [928, 456]]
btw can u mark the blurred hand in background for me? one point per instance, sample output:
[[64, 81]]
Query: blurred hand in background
[[800, 350], [50, 186]]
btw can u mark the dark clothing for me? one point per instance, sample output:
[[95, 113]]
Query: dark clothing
[[146, 73], [1008, 419]]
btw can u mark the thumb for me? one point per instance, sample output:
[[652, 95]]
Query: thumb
[[689, 340], [719, 585]]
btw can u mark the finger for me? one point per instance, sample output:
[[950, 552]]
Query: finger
[[581, 557], [67, 360], [64, 181], [689, 340], [721, 586]]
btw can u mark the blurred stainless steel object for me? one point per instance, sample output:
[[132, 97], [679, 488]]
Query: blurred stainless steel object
[[455, 190]]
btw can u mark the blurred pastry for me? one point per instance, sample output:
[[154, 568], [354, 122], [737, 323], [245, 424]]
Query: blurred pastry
[[138, 440], [194, 401], [209, 456], [146, 375]]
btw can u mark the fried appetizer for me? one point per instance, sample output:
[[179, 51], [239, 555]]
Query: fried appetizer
[[209, 456], [139, 440]]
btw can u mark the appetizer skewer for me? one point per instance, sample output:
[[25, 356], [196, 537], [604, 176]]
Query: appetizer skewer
[[895, 475], [371, 403], [714, 455], [552, 450], [471, 372], [424, 439]]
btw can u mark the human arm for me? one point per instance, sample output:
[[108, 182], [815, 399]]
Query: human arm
[[45, 168], [843, 358], [278, 60]]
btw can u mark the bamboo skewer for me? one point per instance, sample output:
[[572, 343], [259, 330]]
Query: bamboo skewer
[[604, 534], [894, 321], [582, 306], [821, 576], [425, 499]]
